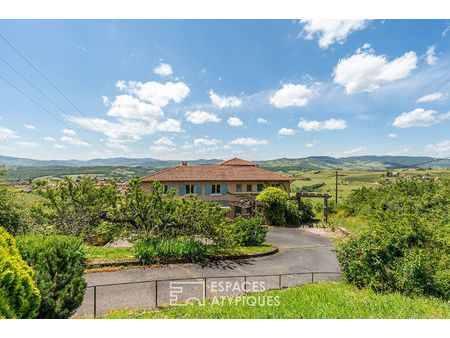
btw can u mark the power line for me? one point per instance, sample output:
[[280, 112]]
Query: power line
[[43, 76], [38, 104]]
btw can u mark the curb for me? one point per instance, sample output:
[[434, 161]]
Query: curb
[[129, 262]]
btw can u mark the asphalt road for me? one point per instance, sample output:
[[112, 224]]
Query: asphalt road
[[300, 252]]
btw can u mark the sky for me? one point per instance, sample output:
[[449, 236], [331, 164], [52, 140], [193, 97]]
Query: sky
[[256, 89]]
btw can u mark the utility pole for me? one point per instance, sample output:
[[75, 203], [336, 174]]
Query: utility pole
[[336, 196]]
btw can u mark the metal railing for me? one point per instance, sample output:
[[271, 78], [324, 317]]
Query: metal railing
[[205, 279]]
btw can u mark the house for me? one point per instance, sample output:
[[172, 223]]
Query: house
[[226, 183]]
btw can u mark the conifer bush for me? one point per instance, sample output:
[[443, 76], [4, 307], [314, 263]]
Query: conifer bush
[[58, 265], [19, 297]]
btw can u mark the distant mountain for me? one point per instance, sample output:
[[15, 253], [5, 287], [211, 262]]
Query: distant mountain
[[355, 163], [116, 161]]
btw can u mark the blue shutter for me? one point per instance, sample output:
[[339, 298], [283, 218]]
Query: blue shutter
[[223, 189], [171, 186], [181, 189], [198, 189], [207, 189]]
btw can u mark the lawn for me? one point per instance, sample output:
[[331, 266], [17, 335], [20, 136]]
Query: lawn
[[323, 300], [100, 254]]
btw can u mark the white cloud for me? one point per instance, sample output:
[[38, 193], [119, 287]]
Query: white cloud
[[59, 146], [286, 131], [199, 117], [292, 95], [206, 142], [223, 101], [430, 56], [49, 139], [432, 97], [442, 148], [29, 126], [446, 30], [164, 141], [157, 93], [392, 135], [331, 124], [27, 144], [330, 31], [126, 130], [69, 132], [248, 141], [161, 148], [235, 122], [311, 144], [400, 151], [355, 150], [366, 72], [187, 146], [105, 100], [6, 133], [129, 107], [73, 141], [419, 118], [163, 69], [261, 120]]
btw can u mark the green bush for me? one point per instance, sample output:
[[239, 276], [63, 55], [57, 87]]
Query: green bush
[[250, 232], [401, 253], [149, 249], [274, 205], [9, 213], [296, 216], [19, 297], [58, 265]]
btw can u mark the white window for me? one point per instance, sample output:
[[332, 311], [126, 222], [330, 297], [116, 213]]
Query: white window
[[190, 189], [215, 188]]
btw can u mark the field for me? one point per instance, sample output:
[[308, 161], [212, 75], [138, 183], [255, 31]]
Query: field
[[350, 180], [323, 300]]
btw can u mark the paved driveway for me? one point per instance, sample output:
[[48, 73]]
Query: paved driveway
[[300, 251]]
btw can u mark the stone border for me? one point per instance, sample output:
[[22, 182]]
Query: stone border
[[135, 262]]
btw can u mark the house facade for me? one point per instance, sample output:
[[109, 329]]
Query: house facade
[[226, 183]]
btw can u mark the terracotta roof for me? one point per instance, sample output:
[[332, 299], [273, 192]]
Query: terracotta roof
[[191, 173], [238, 161]]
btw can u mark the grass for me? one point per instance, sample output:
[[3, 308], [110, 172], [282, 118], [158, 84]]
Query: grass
[[323, 300], [97, 254], [353, 224]]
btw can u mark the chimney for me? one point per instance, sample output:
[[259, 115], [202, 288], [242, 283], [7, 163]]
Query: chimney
[[183, 162]]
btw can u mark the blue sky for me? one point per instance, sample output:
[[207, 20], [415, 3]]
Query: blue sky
[[258, 89]]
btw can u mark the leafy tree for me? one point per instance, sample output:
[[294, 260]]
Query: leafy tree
[[58, 262], [19, 297], [9, 212], [250, 232], [274, 205], [75, 208]]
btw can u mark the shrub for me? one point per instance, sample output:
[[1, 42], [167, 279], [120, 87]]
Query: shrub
[[297, 216], [250, 232], [9, 213], [274, 205], [148, 249], [58, 265], [398, 254], [19, 297]]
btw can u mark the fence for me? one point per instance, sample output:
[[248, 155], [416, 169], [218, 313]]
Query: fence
[[162, 291]]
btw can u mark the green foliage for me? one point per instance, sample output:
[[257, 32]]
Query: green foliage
[[274, 205], [19, 297], [403, 252], [75, 208], [149, 249], [296, 216], [250, 232], [9, 213], [58, 265]]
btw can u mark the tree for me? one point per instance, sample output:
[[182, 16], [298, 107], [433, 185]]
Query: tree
[[19, 297], [9, 212], [75, 208], [274, 205]]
